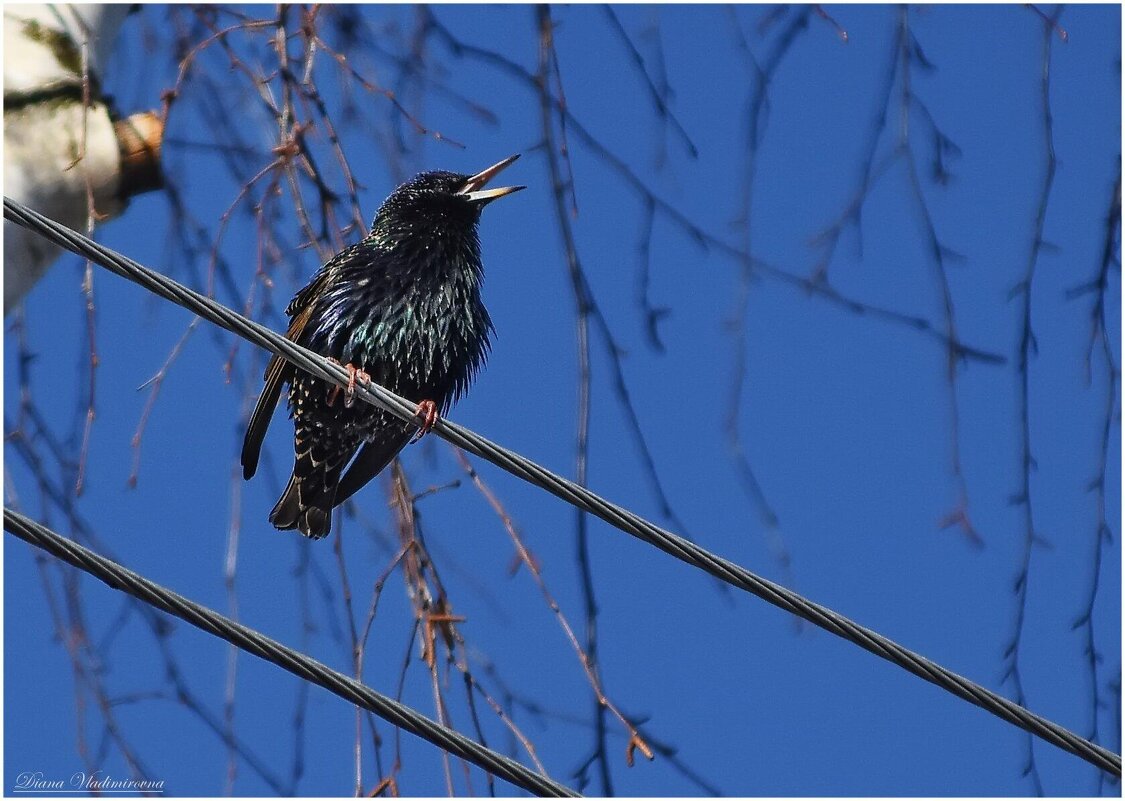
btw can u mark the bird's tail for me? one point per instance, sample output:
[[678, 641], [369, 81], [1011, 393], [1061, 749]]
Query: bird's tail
[[311, 516], [307, 502]]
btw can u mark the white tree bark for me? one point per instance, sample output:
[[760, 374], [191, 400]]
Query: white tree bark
[[60, 156]]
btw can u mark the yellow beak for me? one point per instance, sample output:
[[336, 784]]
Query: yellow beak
[[473, 188]]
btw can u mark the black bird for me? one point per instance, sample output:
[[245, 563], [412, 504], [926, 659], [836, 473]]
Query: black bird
[[401, 307]]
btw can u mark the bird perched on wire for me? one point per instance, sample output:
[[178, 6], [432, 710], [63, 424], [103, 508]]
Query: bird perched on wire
[[401, 307]]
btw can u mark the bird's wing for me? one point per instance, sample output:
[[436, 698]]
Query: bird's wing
[[278, 371], [304, 298], [372, 458]]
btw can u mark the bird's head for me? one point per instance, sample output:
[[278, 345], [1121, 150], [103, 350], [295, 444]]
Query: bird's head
[[438, 205]]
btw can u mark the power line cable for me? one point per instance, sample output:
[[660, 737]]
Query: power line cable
[[578, 496], [254, 642]]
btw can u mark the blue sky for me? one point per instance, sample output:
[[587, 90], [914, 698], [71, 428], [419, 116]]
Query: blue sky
[[846, 418]]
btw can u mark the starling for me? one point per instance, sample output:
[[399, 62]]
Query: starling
[[401, 307]]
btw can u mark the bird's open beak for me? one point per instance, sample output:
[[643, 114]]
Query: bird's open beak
[[473, 188]]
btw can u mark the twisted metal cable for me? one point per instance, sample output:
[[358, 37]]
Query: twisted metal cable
[[572, 493], [254, 642]]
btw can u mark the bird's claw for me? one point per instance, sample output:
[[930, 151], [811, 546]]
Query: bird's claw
[[427, 410], [354, 373]]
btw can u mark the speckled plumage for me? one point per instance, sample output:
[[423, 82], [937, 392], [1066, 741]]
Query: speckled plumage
[[404, 306]]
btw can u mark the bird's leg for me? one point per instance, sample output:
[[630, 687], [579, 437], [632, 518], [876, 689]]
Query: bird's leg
[[427, 410], [353, 373], [333, 389], [349, 393]]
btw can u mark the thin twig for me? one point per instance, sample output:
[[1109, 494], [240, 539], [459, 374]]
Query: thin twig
[[1027, 347]]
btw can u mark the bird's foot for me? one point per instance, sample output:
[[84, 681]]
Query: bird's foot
[[354, 373], [427, 410]]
